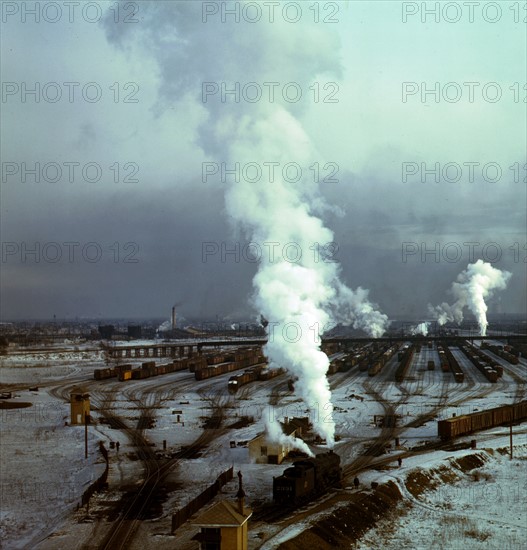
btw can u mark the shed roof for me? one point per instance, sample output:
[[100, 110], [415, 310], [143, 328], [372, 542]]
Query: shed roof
[[222, 514]]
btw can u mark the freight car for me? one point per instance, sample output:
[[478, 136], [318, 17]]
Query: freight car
[[381, 358], [103, 374], [486, 359], [267, 374], [239, 380], [453, 365], [196, 363], [512, 350], [347, 362], [375, 368], [125, 375], [402, 369], [140, 374], [216, 370], [307, 478], [180, 364], [503, 353], [443, 361], [333, 366], [491, 418], [488, 371]]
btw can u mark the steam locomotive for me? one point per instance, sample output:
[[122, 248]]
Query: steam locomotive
[[307, 478]]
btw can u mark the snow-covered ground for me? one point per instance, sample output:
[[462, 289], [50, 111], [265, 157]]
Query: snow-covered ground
[[44, 471], [38, 448], [481, 508]]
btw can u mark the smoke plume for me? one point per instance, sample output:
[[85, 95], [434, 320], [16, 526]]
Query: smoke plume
[[473, 285], [275, 433], [296, 288], [421, 328]]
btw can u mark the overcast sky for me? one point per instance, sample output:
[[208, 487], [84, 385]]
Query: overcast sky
[[137, 207]]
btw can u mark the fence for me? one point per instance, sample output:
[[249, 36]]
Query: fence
[[183, 514], [100, 483]]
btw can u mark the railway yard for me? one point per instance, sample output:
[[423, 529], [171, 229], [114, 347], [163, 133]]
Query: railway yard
[[416, 422]]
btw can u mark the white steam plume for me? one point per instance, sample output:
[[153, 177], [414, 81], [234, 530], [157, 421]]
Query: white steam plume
[[297, 297], [165, 326], [421, 328], [473, 285], [275, 433]]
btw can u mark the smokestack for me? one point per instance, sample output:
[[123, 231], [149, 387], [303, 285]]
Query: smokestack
[[240, 495], [173, 317]]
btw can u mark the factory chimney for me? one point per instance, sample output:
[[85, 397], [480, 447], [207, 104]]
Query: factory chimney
[[173, 317]]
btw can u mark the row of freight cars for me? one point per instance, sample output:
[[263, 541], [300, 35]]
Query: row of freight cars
[[379, 359], [240, 360], [351, 358], [260, 372], [491, 418], [368, 358], [503, 352], [203, 366], [147, 369], [448, 362], [405, 359], [487, 366]]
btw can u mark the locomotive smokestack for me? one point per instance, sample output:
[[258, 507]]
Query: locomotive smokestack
[[240, 495], [173, 317]]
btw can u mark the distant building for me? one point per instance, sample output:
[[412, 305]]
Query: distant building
[[264, 451], [135, 332], [224, 526], [106, 331]]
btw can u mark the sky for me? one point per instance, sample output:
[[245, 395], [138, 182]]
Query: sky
[[124, 223]]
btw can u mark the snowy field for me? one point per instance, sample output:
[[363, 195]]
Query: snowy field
[[44, 472]]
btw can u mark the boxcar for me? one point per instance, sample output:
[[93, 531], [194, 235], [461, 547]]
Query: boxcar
[[125, 375], [502, 415], [481, 420], [452, 427]]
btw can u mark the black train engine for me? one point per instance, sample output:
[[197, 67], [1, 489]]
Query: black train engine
[[307, 478]]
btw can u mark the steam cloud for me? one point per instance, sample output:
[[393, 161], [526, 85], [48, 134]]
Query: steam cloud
[[297, 298], [472, 287], [421, 328], [275, 433], [165, 326]]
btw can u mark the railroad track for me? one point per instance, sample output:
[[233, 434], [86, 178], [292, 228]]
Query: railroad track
[[156, 470]]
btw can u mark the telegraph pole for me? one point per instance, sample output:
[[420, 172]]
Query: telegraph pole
[[86, 421]]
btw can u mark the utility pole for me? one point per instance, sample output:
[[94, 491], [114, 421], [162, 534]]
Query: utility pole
[[510, 433], [86, 422]]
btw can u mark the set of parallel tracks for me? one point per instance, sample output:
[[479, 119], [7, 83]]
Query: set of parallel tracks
[[156, 471], [370, 457]]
